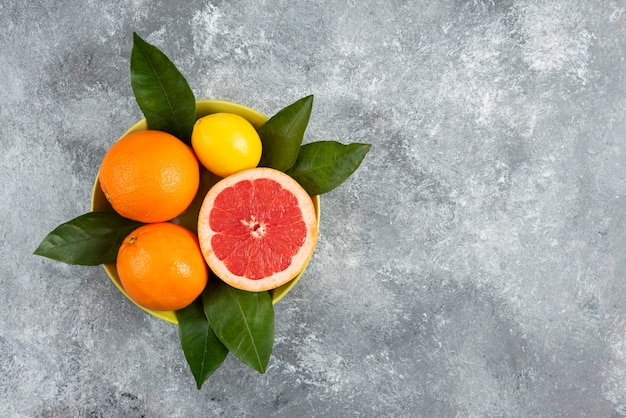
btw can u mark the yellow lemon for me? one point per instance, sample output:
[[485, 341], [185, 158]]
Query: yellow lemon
[[226, 143]]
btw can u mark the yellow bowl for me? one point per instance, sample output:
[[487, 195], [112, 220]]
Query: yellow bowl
[[190, 217]]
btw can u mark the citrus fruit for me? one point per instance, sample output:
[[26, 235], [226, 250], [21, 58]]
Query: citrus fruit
[[226, 143], [161, 267], [149, 176], [257, 229]]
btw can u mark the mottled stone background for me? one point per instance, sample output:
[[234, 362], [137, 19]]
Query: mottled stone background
[[475, 265]]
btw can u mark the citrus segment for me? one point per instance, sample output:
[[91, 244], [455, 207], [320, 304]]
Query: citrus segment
[[226, 143], [161, 267], [257, 229], [149, 176]]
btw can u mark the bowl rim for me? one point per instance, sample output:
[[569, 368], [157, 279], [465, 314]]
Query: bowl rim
[[203, 107]]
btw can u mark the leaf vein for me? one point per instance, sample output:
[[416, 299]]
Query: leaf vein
[[249, 331]]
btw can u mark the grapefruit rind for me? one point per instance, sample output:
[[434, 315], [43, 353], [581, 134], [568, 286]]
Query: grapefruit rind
[[298, 261]]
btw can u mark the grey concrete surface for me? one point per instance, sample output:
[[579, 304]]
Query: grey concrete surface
[[475, 265]]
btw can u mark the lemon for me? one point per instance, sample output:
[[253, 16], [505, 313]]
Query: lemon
[[226, 143]]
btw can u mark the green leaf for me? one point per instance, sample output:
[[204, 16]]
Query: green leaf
[[203, 350], [161, 91], [90, 239], [281, 136], [321, 166], [243, 321]]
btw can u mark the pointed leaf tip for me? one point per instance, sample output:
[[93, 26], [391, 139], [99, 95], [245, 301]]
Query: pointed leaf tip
[[324, 165], [89, 239], [282, 134], [203, 351], [243, 321], [161, 91]]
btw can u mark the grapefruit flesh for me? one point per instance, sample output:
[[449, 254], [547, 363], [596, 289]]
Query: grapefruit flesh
[[257, 229]]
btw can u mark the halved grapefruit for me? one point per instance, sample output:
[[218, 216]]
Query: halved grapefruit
[[257, 229]]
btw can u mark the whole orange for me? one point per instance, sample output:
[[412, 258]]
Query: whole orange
[[149, 176], [161, 266]]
